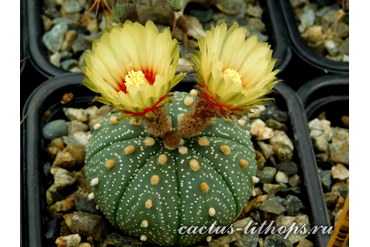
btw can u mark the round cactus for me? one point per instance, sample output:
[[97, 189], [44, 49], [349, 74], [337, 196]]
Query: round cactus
[[149, 191]]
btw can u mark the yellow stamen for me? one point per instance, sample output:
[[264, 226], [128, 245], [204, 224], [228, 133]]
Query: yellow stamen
[[135, 78], [233, 74]]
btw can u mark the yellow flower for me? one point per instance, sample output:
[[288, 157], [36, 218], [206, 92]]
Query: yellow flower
[[133, 67], [233, 72]]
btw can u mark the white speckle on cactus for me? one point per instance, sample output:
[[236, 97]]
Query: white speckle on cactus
[[209, 239]]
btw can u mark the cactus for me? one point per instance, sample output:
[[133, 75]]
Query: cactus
[[149, 191], [164, 11], [155, 169]]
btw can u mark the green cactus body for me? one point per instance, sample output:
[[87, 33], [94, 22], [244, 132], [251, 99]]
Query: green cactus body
[[150, 191], [121, 10], [175, 4]]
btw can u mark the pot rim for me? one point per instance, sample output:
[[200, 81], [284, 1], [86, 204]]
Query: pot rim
[[302, 50], [323, 86], [38, 52]]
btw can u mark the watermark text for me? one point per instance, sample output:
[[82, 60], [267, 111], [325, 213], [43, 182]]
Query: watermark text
[[254, 227]]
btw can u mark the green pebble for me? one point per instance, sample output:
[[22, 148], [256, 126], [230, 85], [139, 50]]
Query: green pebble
[[55, 129]]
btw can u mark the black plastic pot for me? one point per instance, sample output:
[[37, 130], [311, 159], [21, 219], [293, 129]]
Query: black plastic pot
[[39, 54], [34, 185], [278, 36], [24, 35], [23, 52], [302, 50], [328, 93]]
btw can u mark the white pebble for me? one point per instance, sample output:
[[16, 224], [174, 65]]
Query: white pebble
[[340, 172], [331, 47], [94, 182], [242, 122], [255, 179], [260, 131], [256, 113], [97, 126], [253, 193], [91, 196], [281, 177], [209, 239], [143, 238]]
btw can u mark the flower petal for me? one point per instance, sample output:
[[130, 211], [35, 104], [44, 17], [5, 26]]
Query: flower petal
[[133, 48], [227, 49]]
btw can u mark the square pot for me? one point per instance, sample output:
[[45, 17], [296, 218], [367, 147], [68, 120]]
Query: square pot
[[318, 94], [302, 50], [39, 53], [328, 93], [35, 184]]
